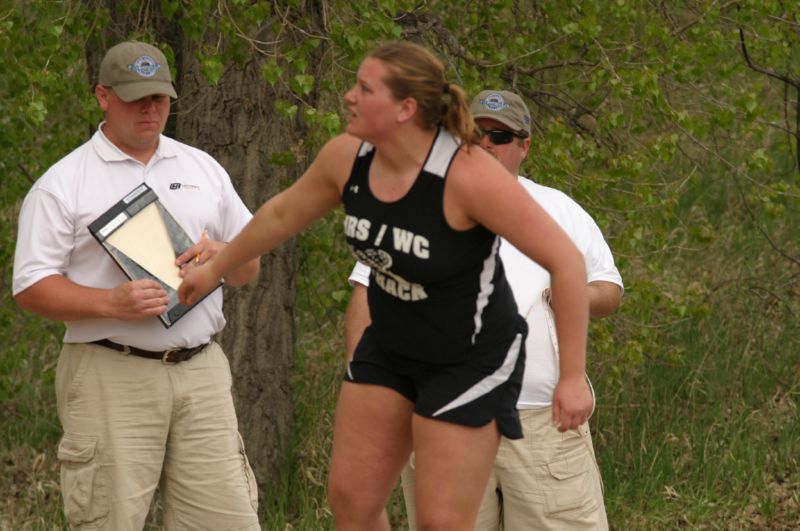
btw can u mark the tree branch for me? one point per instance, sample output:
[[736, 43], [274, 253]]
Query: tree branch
[[763, 70], [797, 128], [25, 172], [551, 66], [680, 30]]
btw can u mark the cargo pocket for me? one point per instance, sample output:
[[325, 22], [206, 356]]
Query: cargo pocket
[[249, 477], [568, 492], [85, 485]]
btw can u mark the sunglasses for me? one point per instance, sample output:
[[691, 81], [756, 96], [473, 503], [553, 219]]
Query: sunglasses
[[498, 137]]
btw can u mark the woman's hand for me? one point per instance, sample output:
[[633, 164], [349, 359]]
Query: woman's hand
[[197, 281]]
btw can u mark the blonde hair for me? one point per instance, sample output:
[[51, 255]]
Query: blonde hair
[[414, 72]]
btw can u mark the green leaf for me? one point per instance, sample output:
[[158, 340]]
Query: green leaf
[[212, 68], [570, 28], [282, 158], [37, 112], [271, 72], [169, 8], [286, 108], [303, 84]]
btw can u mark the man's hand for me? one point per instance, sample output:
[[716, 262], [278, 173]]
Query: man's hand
[[572, 402], [137, 299], [198, 254]]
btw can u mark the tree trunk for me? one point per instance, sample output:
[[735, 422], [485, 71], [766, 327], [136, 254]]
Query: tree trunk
[[237, 124]]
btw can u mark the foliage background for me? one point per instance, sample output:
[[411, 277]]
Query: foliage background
[[675, 124]]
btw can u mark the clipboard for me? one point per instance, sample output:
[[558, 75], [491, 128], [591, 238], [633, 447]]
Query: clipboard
[[143, 239]]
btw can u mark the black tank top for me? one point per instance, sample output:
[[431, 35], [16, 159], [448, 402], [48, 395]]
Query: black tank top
[[435, 294]]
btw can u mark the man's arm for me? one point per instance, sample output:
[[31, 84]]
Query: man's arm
[[58, 298], [356, 319], [605, 284], [604, 298]]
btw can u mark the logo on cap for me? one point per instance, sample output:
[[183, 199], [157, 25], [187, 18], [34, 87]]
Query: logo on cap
[[494, 102], [145, 66]]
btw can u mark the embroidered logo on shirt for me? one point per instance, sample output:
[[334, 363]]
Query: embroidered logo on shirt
[[184, 186], [354, 188]]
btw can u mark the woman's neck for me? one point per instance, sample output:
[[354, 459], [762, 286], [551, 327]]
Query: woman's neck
[[405, 150]]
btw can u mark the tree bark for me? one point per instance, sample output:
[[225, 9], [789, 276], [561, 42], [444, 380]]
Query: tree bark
[[237, 124]]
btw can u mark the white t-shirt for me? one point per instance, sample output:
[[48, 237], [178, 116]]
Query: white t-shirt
[[528, 280], [54, 239]]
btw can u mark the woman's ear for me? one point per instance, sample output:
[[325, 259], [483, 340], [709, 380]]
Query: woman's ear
[[408, 108]]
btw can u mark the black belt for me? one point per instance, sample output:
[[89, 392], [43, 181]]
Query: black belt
[[167, 356]]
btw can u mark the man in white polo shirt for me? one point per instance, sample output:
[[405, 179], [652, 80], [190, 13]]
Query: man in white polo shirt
[[141, 405], [548, 480]]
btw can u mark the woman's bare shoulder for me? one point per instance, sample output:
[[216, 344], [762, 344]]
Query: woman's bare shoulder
[[340, 146], [474, 166], [335, 160]]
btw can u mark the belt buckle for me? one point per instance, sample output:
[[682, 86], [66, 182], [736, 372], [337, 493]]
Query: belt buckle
[[164, 358]]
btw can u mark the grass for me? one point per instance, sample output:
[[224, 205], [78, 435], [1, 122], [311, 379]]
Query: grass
[[29, 491], [709, 439]]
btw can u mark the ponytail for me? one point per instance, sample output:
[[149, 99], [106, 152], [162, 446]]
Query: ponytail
[[456, 117]]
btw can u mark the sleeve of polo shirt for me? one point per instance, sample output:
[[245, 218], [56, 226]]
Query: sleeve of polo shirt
[[235, 214], [599, 260], [45, 239], [359, 275]]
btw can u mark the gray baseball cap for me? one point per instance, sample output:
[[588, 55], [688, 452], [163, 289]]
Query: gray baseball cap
[[135, 70], [503, 106]]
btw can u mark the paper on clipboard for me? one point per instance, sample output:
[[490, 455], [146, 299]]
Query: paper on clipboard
[[145, 240]]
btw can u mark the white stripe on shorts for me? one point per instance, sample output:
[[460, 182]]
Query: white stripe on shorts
[[486, 385]]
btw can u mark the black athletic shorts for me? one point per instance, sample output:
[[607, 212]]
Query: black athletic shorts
[[471, 393]]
